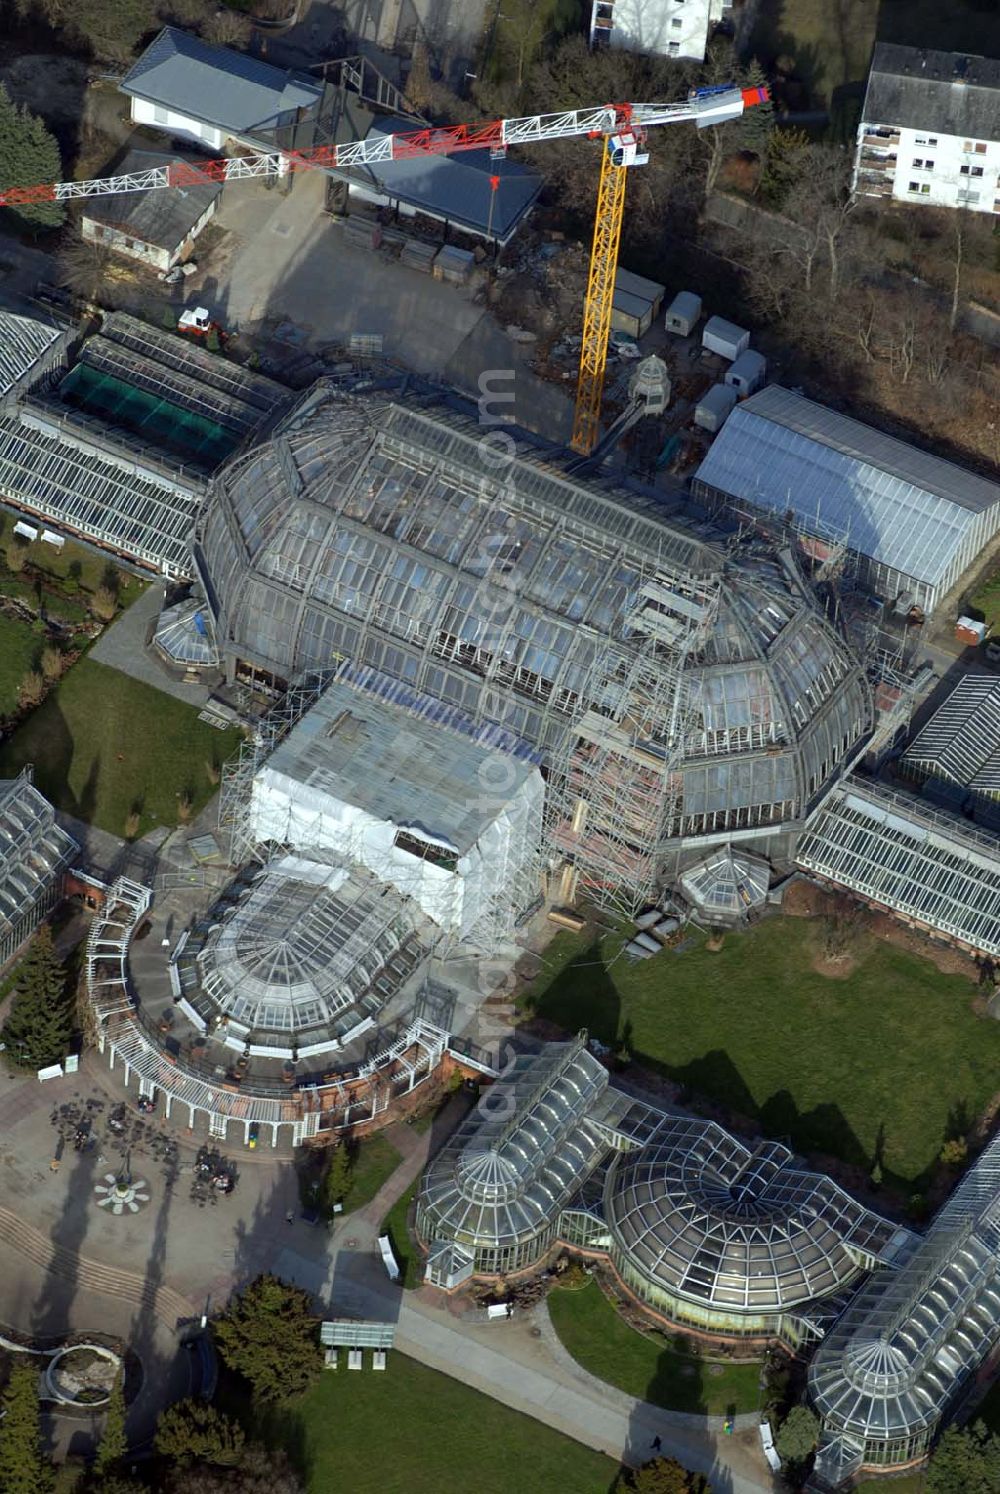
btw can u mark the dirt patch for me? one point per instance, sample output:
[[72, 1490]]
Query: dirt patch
[[50, 85], [833, 967], [804, 899]]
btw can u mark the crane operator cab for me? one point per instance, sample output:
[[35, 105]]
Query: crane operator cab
[[627, 148]]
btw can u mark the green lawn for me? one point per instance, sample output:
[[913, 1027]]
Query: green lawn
[[87, 568], [374, 1164], [412, 1430], [411, 1261], [104, 744], [20, 648], [602, 1342], [890, 1054], [985, 601]]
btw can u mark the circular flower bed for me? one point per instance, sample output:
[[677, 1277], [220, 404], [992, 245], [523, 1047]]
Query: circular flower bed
[[82, 1375]]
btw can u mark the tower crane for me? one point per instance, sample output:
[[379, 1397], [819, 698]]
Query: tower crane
[[621, 128]]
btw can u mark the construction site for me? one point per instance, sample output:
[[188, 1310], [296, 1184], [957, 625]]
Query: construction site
[[643, 672]]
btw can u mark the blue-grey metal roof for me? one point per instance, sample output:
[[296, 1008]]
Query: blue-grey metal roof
[[163, 219], [961, 741], [894, 503], [456, 188], [217, 86]]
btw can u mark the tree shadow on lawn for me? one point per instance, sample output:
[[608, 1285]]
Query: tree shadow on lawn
[[582, 993], [45, 740]]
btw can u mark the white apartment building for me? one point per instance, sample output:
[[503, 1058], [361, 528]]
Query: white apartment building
[[669, 28], [930, 129]]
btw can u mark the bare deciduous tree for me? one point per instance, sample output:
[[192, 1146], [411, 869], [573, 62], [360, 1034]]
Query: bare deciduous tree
[[227, 28]]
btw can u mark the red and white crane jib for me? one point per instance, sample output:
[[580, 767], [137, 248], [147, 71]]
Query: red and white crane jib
[[708, 107]]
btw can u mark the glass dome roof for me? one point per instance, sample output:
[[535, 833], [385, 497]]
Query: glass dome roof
[[701, 1216], [370, 528], [310, 947], [899, 1355], [511, 1167]]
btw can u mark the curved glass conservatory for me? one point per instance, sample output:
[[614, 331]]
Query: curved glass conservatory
[[696, 1225], [301, 958], [498, 1188], [672, 688], [732, 1240], [900, 1357]]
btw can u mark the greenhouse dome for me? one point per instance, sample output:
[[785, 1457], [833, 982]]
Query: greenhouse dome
[[900, 1357], [726, 1238], [308, 954], [497, 1188], [674, 688]]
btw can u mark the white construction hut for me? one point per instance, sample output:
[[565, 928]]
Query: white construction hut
[[711, 410], [683, 313], [724, 338], [747, 373], [636, 302]]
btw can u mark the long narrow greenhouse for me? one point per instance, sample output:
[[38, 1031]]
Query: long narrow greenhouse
[[34, 851], [900, 1357], [898, 852]]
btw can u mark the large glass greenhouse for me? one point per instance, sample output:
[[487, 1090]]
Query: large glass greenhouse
[[672, 689], [707, 1232], [498, 1186], [734, 1240], [300, 958]]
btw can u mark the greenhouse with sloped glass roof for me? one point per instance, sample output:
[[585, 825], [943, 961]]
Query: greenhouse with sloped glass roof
[[672, 688]]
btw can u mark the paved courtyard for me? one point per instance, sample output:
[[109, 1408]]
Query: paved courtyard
[[70, 1265], [287, 264]]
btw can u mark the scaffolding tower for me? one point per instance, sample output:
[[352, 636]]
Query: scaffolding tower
[[615, 789], [236, 784]]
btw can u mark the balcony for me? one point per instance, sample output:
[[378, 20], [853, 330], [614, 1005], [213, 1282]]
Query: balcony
[[880, 140], [879, 164]]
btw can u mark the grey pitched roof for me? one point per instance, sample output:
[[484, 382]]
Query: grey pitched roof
[[217, 86], [946, 92], [455, 187], [161, 218], [866, 444], [961, 741]]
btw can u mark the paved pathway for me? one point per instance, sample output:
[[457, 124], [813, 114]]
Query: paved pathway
[[527, 1370], [573, 1403], [123, 646]]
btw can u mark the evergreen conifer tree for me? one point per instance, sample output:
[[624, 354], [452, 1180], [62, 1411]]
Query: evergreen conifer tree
[[38, 1030], [113, 1444], [23, 1469], [28, 155]]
